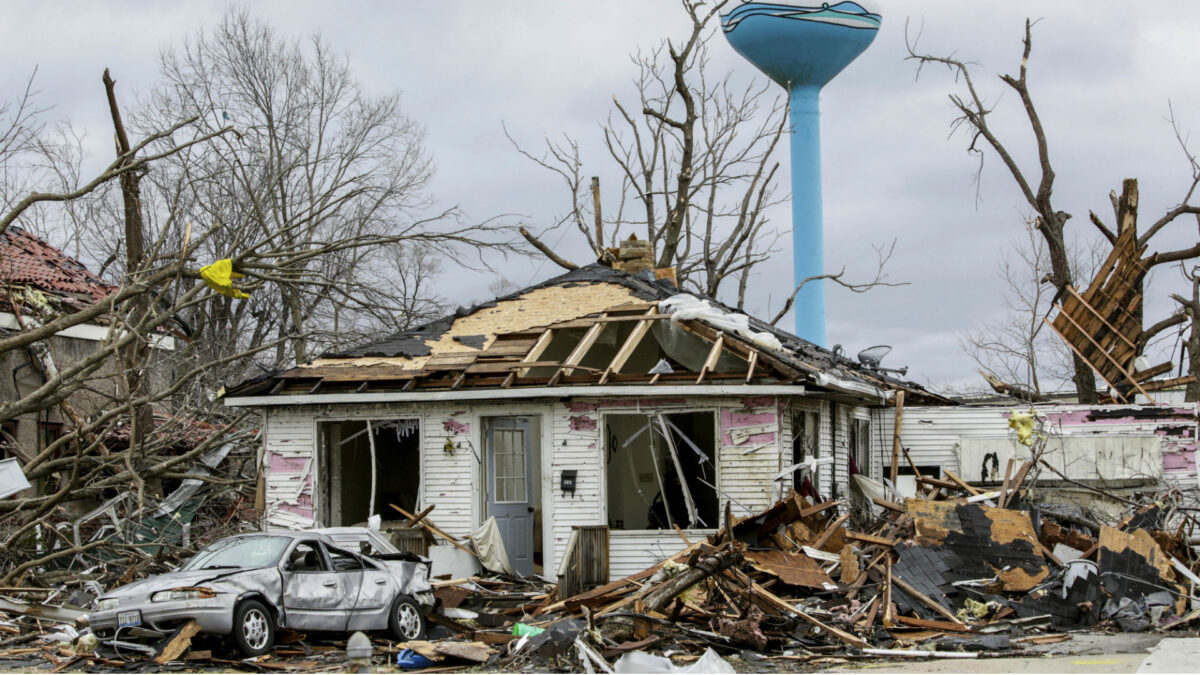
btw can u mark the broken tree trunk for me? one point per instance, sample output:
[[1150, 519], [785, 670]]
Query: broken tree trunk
[[662, 595]]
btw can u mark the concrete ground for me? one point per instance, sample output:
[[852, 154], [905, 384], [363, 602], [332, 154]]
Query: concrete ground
[[1084, 653]]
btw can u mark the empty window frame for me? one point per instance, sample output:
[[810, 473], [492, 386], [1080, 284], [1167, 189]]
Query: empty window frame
[[806, 443], [347, 475], [860, 445], [8, 438], [661, 471]]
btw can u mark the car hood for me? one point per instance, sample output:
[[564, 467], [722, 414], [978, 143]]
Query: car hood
[[178, 579]]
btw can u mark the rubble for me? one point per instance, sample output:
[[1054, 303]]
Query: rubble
[[954, 573]]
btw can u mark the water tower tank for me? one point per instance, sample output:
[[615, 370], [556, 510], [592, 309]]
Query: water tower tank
[[802, 46]]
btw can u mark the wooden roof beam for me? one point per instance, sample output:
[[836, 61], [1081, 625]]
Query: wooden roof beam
[[536, 351], [714, 355], [627, 348], [581, 349]]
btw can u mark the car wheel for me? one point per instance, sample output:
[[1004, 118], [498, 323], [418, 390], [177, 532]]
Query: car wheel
[[406, 621], [253, 628]]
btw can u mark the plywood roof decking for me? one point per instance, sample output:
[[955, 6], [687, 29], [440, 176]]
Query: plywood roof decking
[[538, 307]]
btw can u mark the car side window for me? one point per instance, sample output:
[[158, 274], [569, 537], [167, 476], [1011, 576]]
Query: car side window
[[306, 557], [343, 561]]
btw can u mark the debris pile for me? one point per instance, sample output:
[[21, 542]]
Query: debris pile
[[955, 573]]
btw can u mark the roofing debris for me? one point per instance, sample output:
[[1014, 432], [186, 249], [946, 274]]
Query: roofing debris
[[27, 261], [952, 573]]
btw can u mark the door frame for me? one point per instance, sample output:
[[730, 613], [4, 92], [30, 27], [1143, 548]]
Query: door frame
[[542, 418]]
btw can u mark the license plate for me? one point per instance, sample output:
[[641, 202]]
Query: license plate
[[130, 618]]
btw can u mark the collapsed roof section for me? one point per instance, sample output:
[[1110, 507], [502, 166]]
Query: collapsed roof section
[[591, 326], [29, 262]]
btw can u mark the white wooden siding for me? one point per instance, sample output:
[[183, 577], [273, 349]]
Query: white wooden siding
[[931, 434], [572, 441], [631, 551]]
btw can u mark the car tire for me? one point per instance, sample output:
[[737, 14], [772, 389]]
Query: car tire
[[406, 620], [253, 628]]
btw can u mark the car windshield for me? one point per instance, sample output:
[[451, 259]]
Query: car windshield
[[239, 553]]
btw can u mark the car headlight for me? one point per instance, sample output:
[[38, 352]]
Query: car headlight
[[107, 604], [183, 594]]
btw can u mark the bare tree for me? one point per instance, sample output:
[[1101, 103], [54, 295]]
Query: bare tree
[[1036, 185], [697, 159], [262, 151], [315, 163], [1016, 348]]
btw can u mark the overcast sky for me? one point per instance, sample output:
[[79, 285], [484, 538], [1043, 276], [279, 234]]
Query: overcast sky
[[1102, 73]]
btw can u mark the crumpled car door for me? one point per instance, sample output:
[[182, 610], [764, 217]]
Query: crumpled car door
[[315, 597]]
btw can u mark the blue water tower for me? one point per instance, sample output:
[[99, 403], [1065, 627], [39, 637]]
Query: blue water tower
[[802, 46]]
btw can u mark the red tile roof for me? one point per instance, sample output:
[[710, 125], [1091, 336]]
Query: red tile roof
[[26, 260]]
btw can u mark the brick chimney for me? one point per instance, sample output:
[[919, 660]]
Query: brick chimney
[[634, 255]]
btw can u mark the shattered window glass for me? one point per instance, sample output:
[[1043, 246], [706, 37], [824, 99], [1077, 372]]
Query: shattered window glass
[[239, 553]]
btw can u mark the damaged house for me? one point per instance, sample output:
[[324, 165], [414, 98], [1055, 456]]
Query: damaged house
[[603, 403], [38, 283]]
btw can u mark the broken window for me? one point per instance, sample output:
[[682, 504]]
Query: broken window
[[806, 427], [353, 487], [48, 432], [661, 471], [8, 439], [306, 557], [860, 445]]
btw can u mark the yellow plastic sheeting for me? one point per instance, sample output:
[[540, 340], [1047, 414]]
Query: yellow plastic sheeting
[[220, 275]]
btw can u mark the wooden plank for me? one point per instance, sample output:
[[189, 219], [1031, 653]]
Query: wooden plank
[[412, 522], [953, 627], [536, 351], [899, 419], [1118, 366], [778, 603], [651, 315], [870, 538], [818, 508], [179, 643], [752, 361], [960, 482], [714, 354], [435, 530], [825, 536], [627, 348], [927, 601], [581, 349]]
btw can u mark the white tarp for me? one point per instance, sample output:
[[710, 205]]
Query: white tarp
[[12, 478], [490, 547], [684, 307]]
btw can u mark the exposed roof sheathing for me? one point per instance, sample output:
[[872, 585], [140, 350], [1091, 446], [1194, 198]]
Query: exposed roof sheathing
[[533, 309]]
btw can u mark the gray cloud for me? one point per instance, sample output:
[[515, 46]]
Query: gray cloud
[[1102, 72]]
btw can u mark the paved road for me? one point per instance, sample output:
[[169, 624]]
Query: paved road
[[1085, 653]]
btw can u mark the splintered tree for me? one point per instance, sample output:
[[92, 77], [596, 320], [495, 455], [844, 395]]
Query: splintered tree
[[1036, 185], [697, 159]]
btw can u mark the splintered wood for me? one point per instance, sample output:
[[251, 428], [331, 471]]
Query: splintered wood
[[1102, 325]]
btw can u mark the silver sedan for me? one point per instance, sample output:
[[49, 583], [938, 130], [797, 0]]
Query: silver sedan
[[248, 585]]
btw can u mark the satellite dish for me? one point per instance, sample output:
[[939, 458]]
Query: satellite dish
[[871, 356]]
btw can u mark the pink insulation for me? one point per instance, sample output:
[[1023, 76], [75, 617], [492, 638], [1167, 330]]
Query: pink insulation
[[582, 423], [453, 426], [734, 419], [280, 464]]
